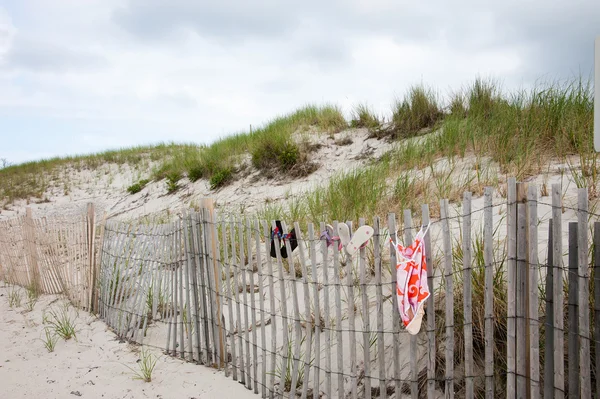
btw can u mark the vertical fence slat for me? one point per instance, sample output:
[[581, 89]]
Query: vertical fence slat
[[250, 271], [261, 296], [365, 313], [534, 269], [511, 216], [284, 313], [414, 371], [431, 341], [449, 284], [584, 292], [395, 314], [218, 267], [326, 309], [317, 311], [180, 267], [338, 313], [522, 347], [272, 312], [236, 291], [379, 295], [597, 300], [559, 364], [573, 314], [309, 326], [352, 309], [488, 253], [468, 295], [549, 319], [194, 276], [297, 327], [245, 325]]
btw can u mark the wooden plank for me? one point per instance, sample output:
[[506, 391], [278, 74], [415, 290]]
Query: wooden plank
[[271, 310], [430, 309], [522, 348], [449, 283], [307, 317], [201, 262], [549, 319], [468, 295], [229, 297], [380, 311], [245, 325], [249, 270], [184, 225], [534, 269], [584, 295], [180, 268], [326, 308], [366, 322], [414, 371], [192, 226], [297, 326], [261, 296], [597, 299], [395, 315], [488, 254], [175, 281], [212, 236], [91, 228], [284, 312], [218, 267], [317, 311], [573, 313], [511, 221], [352, 308], [338, 313], [559, 365]]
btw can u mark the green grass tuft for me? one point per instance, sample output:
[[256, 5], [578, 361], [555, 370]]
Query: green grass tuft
[[418, 110], [363, 116], [137, 187]]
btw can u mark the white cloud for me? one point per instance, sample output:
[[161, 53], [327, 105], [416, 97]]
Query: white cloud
[[133, 72]]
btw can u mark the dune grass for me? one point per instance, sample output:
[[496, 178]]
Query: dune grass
[[513, 134], [32, 179], [519, 131]]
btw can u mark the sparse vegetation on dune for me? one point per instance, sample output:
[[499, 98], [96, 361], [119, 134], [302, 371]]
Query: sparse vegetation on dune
[[518, 132]]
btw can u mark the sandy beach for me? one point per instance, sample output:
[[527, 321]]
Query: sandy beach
[[94, 364]]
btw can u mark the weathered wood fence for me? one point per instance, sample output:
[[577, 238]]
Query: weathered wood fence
[[322, 323], [51, 256]]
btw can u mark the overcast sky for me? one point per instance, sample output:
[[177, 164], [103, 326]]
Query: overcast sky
[[80, 76]]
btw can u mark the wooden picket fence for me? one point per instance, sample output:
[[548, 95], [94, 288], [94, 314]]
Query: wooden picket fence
[[322, 323], [51, 256]]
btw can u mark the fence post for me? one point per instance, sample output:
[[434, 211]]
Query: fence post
[[209, 204]]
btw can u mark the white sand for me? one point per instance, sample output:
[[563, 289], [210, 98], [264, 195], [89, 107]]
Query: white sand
[[94, 365]]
